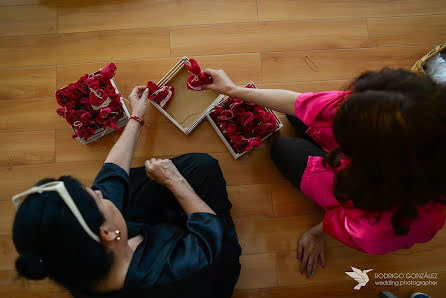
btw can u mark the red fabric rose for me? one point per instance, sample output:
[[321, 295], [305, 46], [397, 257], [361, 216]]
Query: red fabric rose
[[86, 118], [226, 115], [216, 111], [197, 78], [229, 129], [61, 112], [108, 72], [162, 96], [254, 142], [246, 118]]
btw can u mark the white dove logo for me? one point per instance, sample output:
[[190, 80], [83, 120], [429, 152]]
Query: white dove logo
[[360, 276]]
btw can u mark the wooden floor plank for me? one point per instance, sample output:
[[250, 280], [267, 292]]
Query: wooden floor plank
[[8, 253], [33, 50], [260, 235], [19, 2], [27, 20], [105, 46], [164, 139], [339, 260], [35, 114], [405, 31], [437, 290], [242, 68], [13, 287], [321, 9], [255, 167], [109, 46], [69, 149], [339, 289], [17, 179], [33, 82], [7, 212], [250, 201], [289, 201], [79, 16], [312, 86], [258, 271], [268, 36], [336, 64], [16, 147]]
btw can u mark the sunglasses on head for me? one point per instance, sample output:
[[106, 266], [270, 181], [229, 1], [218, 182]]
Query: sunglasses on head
[[60, 188]]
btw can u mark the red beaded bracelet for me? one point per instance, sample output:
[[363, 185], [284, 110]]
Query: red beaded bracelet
[[139, 119]]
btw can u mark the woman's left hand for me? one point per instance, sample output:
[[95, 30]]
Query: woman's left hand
[[138, 100], [163, 171], [311, 246]]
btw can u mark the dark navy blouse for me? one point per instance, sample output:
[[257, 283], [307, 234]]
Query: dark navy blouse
[[196, 259]]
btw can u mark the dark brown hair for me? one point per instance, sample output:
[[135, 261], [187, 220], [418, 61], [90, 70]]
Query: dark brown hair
[[392, 129]]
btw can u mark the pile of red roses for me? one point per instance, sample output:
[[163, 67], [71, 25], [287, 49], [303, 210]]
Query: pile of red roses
[[243, 124], [91, 103]]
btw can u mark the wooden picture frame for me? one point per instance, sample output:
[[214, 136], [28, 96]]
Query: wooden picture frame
[[187, 108]]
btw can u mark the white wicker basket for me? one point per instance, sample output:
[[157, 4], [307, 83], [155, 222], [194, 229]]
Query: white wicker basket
[[222, 137], [100, 132]]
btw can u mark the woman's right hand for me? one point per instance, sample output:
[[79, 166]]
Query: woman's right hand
[[138, 100], [221, 82], [163, 171]]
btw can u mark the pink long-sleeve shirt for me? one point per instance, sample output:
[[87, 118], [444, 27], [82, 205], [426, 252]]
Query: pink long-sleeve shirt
[[354, 227]]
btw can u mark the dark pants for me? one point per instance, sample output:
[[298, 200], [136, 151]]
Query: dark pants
[[153, 203], [291, 154]]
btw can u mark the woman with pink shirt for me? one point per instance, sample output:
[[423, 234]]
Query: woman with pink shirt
[[372, 157]]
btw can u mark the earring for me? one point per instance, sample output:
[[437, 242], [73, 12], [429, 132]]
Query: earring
[[118, 234]]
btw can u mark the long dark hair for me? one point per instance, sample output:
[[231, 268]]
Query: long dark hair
[[51, 242], [392, 129]]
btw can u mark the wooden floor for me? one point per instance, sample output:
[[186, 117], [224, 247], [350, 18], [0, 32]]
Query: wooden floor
[[48, 43]]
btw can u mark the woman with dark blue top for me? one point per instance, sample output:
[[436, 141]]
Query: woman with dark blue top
[[162, 230]]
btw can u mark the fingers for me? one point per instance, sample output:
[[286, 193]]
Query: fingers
[[145, 94], [303, 262], [315, 261], [148, 165], [210, 71], [310, 264], [208, 86], [137, 90], [299, 250], [323, 258], [153, 162]]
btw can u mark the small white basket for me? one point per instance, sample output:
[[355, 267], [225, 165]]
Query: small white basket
[[195, 104], [222, 137], [100, 132]]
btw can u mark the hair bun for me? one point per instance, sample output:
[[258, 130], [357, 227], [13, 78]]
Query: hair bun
[[31, 266]]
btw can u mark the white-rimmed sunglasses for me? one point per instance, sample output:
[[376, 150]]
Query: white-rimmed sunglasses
[[60, 188]]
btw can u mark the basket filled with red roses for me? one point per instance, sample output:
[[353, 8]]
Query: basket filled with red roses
[[93, 105], [242, 125]]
